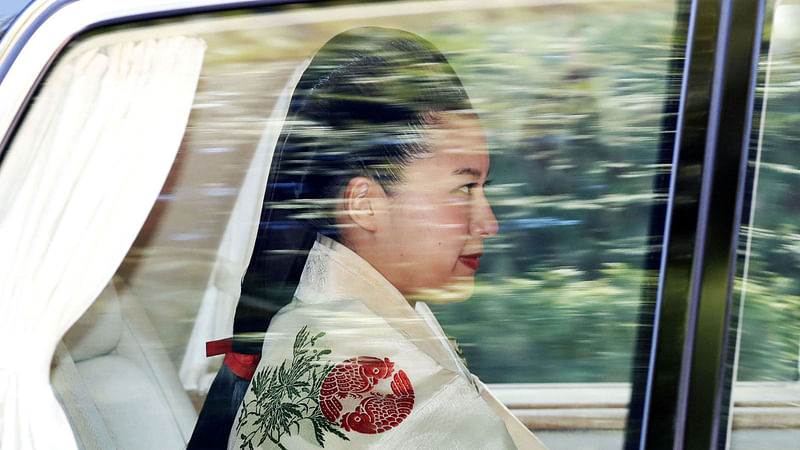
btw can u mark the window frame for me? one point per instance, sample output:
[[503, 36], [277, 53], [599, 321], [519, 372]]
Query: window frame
[[684, 400], [37, 36], [681, 398]]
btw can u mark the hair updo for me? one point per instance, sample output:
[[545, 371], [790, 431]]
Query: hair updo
[[361, 108]]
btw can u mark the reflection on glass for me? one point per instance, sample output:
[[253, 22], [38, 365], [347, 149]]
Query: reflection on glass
[[766, 393], [376, 189], [570, 101]]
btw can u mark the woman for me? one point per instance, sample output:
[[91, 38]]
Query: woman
[[384, 163]]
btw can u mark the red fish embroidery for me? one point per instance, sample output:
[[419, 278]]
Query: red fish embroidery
[[356, 378], [378, 413]]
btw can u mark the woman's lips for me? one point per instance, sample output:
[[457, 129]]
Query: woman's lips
[[471, 261]]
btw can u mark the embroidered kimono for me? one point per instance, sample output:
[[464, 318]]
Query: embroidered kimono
[[350, 364]]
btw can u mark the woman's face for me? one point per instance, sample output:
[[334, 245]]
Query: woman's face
[[439, 216]]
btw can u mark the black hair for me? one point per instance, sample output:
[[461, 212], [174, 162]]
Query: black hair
[[360, 109]]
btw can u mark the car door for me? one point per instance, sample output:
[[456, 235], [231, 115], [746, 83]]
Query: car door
[[606, 312]]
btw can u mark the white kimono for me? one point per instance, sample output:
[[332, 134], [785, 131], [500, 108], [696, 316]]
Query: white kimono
[[350, 364]]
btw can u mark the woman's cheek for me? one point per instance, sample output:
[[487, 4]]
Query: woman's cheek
[[457, 219]]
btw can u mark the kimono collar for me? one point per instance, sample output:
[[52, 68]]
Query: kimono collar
[[334, 272]]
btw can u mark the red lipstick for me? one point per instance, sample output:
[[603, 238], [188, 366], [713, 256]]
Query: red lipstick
[[472, 261]]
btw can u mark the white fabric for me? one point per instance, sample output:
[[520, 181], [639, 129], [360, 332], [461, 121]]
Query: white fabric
[[76, 185], [362, 314], [218, 307], [522, 437]]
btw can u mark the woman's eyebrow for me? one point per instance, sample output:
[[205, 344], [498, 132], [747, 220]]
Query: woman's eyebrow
[[467, 171]]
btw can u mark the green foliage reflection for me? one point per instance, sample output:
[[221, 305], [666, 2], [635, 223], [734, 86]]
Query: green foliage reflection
[[573, 104]]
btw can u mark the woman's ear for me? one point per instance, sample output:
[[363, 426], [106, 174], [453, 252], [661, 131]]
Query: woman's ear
[[361, 202]]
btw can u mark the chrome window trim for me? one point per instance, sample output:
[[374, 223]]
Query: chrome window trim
[[22, 27], [96, 13]]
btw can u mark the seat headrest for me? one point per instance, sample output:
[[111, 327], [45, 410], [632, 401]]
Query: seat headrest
[[98, 331]]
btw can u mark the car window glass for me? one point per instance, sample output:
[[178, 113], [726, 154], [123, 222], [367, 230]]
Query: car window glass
[[765, 389], [572, 100]]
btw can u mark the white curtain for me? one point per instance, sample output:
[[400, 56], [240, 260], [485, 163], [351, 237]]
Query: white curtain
[[218, 307], [76, 185]]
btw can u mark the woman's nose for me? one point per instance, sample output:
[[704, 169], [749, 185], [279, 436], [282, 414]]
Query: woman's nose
[[484, 222]]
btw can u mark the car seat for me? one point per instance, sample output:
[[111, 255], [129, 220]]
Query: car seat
[[115, 382]]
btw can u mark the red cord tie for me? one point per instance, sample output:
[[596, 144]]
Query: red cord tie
[[241, 364]]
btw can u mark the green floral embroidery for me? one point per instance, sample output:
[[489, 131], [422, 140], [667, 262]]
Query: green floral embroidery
[[287, 395]]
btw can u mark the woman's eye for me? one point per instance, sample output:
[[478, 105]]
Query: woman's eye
[[467, 188]]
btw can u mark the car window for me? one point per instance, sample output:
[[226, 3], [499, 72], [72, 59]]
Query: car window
[[764, 397], [572, 98]]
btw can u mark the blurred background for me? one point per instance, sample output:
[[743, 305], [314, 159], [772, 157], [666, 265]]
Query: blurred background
[[571, 97]]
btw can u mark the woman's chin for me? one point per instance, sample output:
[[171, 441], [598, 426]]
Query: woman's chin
[[457, 290]]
